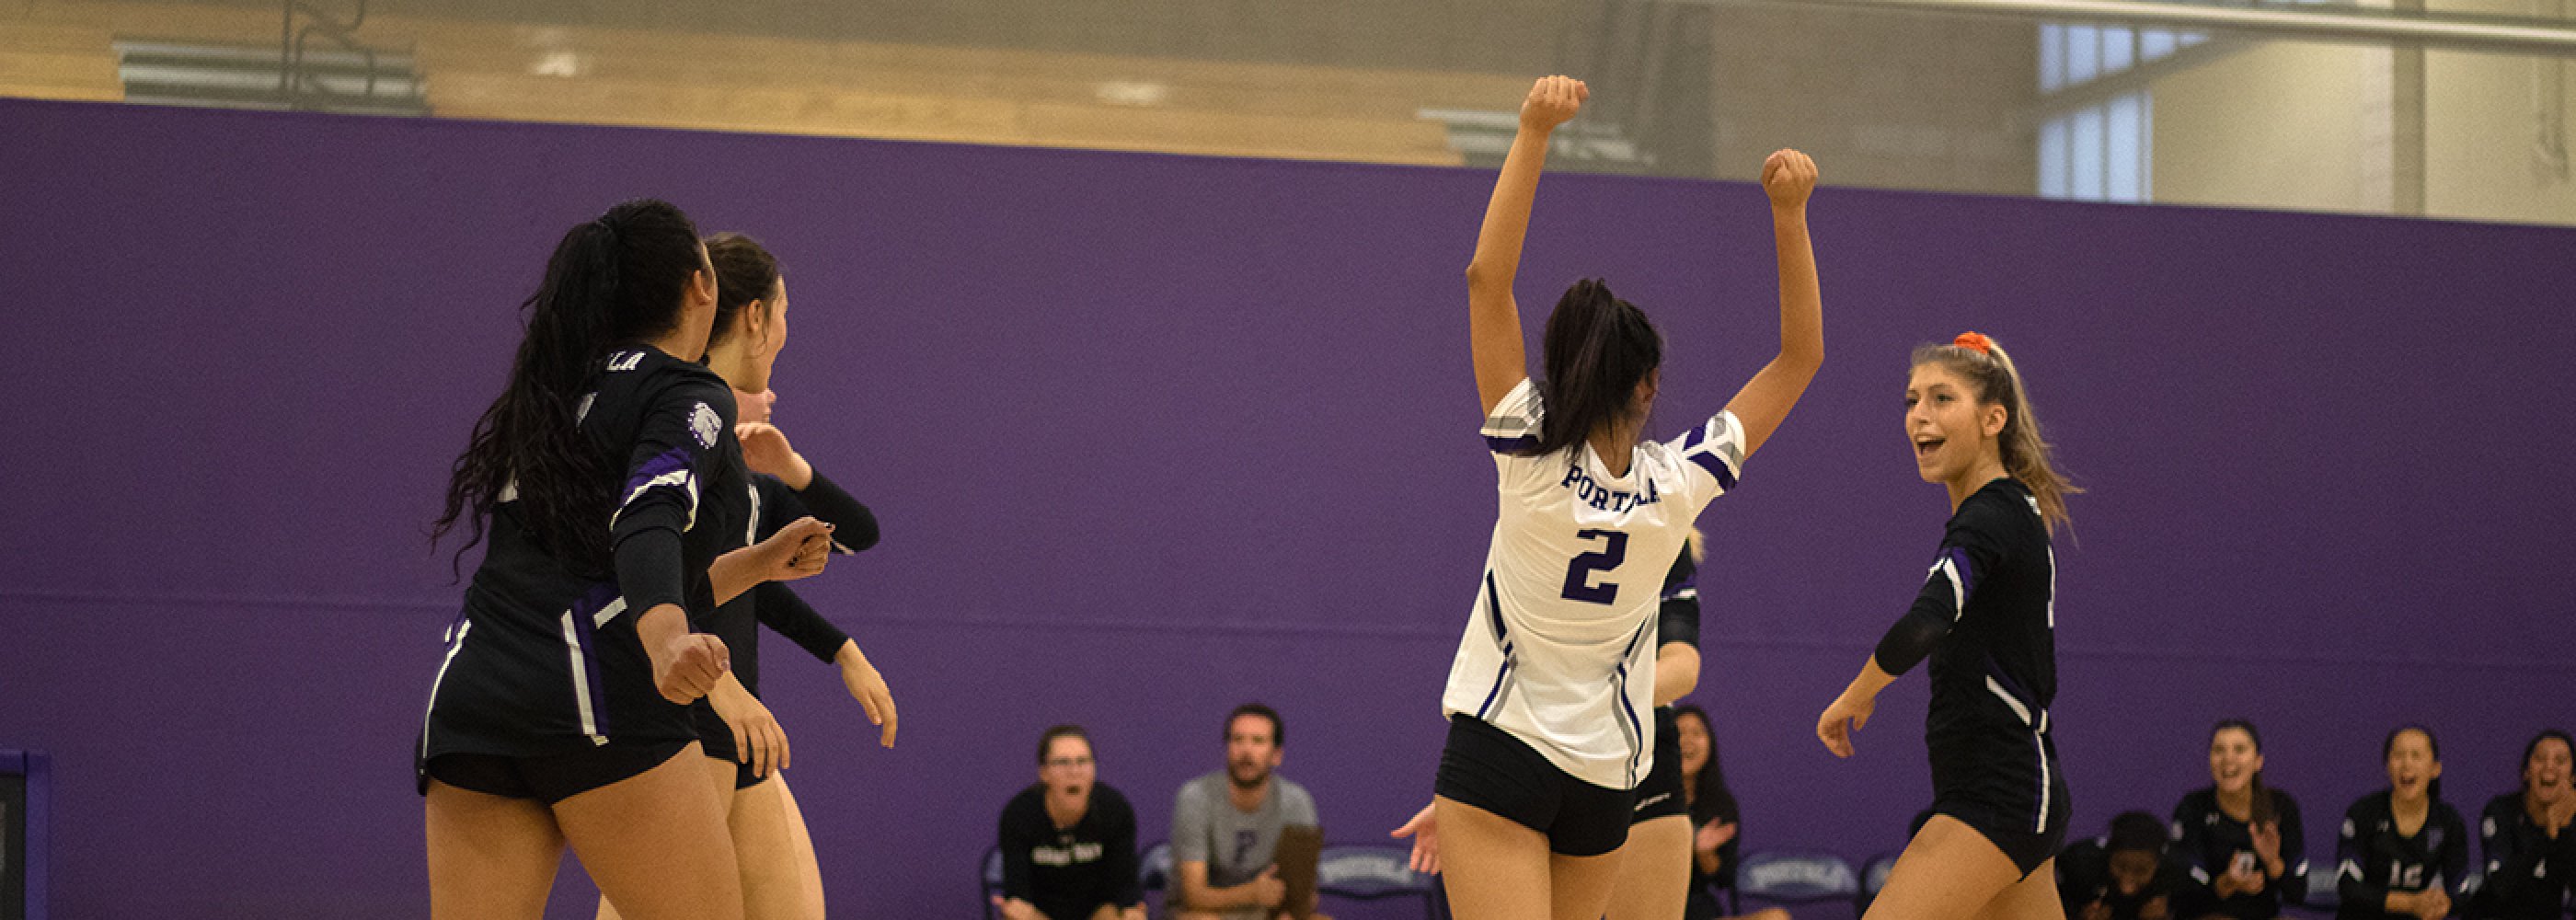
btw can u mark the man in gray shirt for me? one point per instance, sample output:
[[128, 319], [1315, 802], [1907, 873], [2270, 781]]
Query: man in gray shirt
[[1226, 824]]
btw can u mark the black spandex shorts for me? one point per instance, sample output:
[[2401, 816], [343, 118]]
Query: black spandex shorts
[[2028, 830], [1659, 795], [554, 777], [1486, 767], [743, 778]]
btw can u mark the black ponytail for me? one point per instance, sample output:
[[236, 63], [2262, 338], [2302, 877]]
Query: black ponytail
[[1597, 349], [617, 280]]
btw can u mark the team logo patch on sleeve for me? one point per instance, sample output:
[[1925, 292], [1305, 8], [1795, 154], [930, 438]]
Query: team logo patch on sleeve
[[704, 425]]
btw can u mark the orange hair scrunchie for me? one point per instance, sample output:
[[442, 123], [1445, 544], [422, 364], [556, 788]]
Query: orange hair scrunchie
[[1976, 342]]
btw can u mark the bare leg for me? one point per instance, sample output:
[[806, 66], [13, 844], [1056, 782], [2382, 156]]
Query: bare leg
[[780, 879], [720, 778], [1579, 886], [656, 842], [1492, 868], [489, 856], [1654, 871], [2032, 898], [1948, 872]]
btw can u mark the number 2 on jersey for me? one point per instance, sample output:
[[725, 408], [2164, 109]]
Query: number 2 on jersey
[[1578, 574]]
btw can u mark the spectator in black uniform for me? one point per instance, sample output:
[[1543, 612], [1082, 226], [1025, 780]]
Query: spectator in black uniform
[[2404, 852], [1715, 819], [1987, 617], [2530, 852], [2123, 876], [1069, 842], [559, 712], [2241, 839]]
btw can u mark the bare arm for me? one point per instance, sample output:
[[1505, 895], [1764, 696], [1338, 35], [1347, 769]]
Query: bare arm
[[1493, 317], [795, 551], [1676, 672], [1788, 177], [1850, 712], [1264, 891]]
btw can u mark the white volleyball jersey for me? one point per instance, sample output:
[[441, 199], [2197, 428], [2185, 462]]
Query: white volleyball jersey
[[1560, 644]]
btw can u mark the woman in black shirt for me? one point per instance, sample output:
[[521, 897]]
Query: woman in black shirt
[[1987, 617], [559, 713], [2530, 852], [2403, 851], [2241, 839]]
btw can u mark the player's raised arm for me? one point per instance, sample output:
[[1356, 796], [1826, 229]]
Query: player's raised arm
[[1788, 177], [1493, 318]]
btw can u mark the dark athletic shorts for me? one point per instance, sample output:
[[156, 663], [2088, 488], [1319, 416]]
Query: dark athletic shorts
[[555, 777], [1659, 795], [1486, 767], [716, 739], [743, 778], [2013, 814]]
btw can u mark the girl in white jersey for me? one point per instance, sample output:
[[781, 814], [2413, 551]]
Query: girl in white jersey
[[1550, 692]]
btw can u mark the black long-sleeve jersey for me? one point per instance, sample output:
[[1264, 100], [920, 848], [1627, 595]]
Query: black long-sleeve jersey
[[1676, 623], [2527, 873], [2372, 858], [1987, 617], [2209, 842], [545, 659], [764, 505]]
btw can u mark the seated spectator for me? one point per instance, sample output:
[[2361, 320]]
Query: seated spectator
[[1226, 826], [2531, 854], [2124, 876], [1069, 842], [1715, 843], [2240, 839], [2404, 851]]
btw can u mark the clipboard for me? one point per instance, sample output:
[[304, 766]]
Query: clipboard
[[1301, 847]]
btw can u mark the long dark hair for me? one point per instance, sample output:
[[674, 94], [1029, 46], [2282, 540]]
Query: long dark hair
[[2433, 789], [745, 272], [2026, 455], [617, 280], [1597, 349], [1709, 795], [2546, 734], [2261, 797]]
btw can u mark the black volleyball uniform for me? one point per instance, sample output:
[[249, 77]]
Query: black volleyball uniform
[[1718, 808], [1987, 616], [1068, 873], [2209, 842], [2373, 859], [2527, 874], [765, 504], [2084, 879], [545, 690], [1659, 795]]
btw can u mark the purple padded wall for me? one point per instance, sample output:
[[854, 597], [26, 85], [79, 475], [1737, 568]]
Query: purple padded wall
[[1154, 435]]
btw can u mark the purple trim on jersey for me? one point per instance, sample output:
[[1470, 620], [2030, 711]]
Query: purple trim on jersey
[[2028, 700], [1968, 573], [1636, 729], [1510, 445], [1633, 639], [1708, 459], [587, 633], [670, 461], [1687, 583], [1494, 606]]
